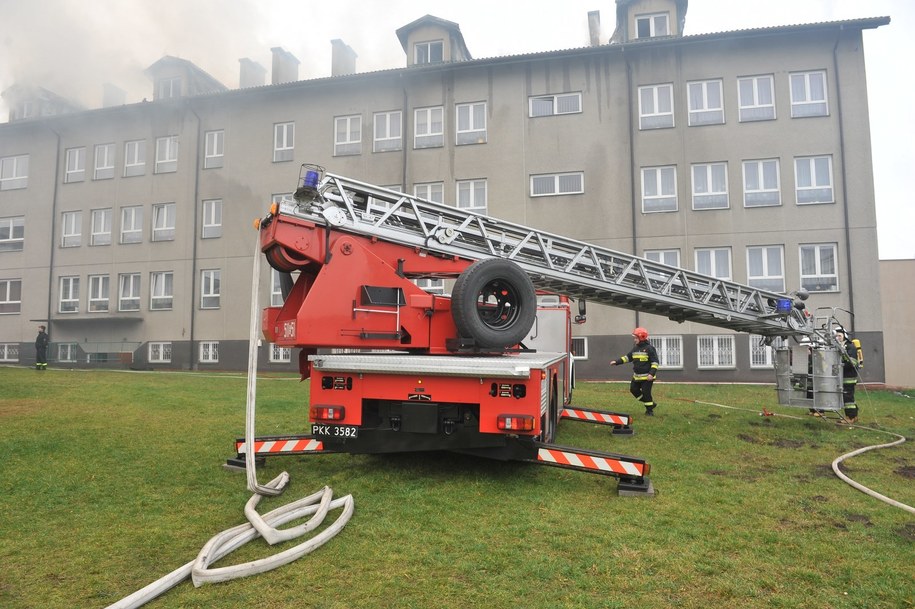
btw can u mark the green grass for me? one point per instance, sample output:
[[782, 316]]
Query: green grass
[[111, 480]]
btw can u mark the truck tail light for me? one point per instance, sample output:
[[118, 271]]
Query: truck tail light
[[515, 422], [327, 413]]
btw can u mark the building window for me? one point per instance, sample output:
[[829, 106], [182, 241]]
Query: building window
[[808, 94], [129, 292], [9, 352], [765, 268], [66, 352], [668, 257], [659, 189], [653, 25], [214, 149], [551, 105], [69, 295], [280, 355], [209, 289], [209, 352], [714, 262], [716, 352], [706, 106], [761, 354], [813, 180], [163, 224], [433, 286], [283, 142], [98, 293], [428, 52], [756, 98], [104, 161], [656, 106], [819, 271], [347, 135], [134, 158], [471, 196], [431, 191], [131, 224], [558, 184], [429, 127], [14, 172], [12, 234], [71, 231], [579, 347], [169, 88], [101, 227], [167, 154], [670, 351], [388, 131], [471, 123], [212, 219], [160, 353], [276, 289], [710, 186], [761, 183], [10, 296], [161, 291], [76, 165]]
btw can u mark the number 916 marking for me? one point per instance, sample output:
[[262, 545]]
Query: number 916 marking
[[334, 431]]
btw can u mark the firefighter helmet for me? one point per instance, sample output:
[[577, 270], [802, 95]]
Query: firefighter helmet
[[640, 333], [840, 330]]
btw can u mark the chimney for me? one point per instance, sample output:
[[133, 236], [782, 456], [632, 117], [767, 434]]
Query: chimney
[[343, 59], [594, 27], [113, 96], [285, 67], [251, 74]]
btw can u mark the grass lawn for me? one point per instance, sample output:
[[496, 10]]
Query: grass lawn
[[111, 479]]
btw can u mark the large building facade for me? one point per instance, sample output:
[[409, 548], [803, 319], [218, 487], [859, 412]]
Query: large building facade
[[744, 155]]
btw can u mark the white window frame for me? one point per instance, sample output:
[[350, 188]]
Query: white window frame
[[670, 257], [168, 88], [554, 105], [470, 123], [471, 196], [429, 51], [71, 229], [68, 301], [280, 355], [104, 162], [211, 222], [210, 287], [555, 184], [652, 114], [771, 279], [715, 352], [99, 290], [579, 348], [160, 353], [131, 224], [10, 296], [209, 352], [66, 352], [167, 154], [14, 172], [717, 257], [706, 178], [752, 95], [12, 234], [9, 352], [283, 142], [431, 284], [762, 356], [161, 290], [214, 149], [822, 279], [348, 135], [658, 25], [429, 127], [660, 198], [670, 351], [813, 182], [758, 189], [75, 165], [809, 94], [100, 226], [276, 289], [430, 191], [388, 130], [129, 291], [134, 158], [704, 108], [163, 221]]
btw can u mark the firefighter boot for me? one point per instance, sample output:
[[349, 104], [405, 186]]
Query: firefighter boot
[[649, 410], [851, 415]]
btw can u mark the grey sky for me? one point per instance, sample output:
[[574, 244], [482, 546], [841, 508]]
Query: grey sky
[[73, 47]]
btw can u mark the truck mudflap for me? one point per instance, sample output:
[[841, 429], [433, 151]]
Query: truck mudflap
[[269, 446], [621, 423]]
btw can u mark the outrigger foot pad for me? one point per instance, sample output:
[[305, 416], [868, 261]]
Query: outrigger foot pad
[[635, 488]]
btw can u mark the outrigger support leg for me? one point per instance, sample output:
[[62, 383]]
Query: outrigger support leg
[[269, 446], [631, 471], [621, 422]]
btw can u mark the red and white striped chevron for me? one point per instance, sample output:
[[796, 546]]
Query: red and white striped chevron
[[594, 415], [604, 464], [283, 446]]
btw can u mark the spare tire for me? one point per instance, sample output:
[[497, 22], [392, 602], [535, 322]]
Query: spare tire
[[494, 303]]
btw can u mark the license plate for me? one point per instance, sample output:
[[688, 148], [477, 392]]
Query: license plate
[[334, 431]]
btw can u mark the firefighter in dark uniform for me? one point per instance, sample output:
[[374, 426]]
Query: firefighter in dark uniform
[[41, 349], [849, 352], [645, 364]]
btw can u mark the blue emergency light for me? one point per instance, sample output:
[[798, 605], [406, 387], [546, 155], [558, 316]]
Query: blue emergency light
[[783, 306]]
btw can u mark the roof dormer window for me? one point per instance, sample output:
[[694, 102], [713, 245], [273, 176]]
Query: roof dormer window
[[169, 88], [652, 25], [428, 52]]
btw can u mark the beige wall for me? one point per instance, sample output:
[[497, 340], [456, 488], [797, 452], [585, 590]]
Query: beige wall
[[897, 279]]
